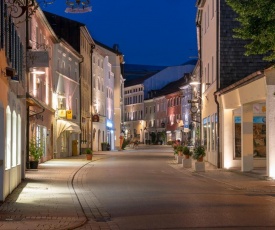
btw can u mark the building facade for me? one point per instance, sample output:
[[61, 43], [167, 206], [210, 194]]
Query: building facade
[[12, 108], [222, 63]]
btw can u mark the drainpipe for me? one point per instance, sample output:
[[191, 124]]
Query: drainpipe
[[80, 108], [91, 115], [218, 86]]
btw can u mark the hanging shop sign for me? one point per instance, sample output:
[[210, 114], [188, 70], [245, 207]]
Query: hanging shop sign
[[38, 59]]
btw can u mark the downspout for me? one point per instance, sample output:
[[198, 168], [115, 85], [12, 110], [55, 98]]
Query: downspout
[[91, 119], [201, 125], [218, 85], [198, 24], [80, 108]]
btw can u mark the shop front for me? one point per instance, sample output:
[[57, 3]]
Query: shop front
[[247, 123]]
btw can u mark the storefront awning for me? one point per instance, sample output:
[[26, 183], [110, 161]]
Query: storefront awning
[[63, 125]]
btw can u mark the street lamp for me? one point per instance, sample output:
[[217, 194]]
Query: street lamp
[[195, 109]]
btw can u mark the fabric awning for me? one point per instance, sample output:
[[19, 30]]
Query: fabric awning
[[63, 125]]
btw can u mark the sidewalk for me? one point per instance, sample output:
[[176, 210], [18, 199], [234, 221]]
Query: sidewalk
[[254, 181], [46, 199]]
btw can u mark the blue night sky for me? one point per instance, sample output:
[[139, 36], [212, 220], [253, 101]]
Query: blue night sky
[[149, 32]]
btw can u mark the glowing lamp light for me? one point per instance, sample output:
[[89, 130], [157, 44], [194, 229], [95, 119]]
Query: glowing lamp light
[[194, 82], [272, 172], [227, 165], [35, 71]]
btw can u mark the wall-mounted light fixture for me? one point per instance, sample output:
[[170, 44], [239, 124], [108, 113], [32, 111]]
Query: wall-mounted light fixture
[[36, 71]]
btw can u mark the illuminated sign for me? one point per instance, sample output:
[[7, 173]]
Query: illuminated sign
[[69, 114], [62, 113]]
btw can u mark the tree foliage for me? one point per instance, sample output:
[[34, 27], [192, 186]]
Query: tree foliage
[[257, 26]]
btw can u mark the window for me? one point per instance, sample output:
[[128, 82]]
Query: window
[[8, 138], [18, 140], [213, 70], [213, 132], [2, 19], [213, 8], [14, 141], [208, 13], [208, 80]]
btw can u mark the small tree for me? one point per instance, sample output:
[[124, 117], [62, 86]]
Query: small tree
[[257, 26], [153, 136], [36, 149]]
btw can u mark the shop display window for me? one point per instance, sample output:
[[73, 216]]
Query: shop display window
[[259, 137]]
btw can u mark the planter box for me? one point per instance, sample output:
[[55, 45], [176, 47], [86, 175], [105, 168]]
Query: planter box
[[33, 164], [199, 166], [187, 163], [104, 147], [179, 160]]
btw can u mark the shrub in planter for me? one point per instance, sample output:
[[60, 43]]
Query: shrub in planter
[[199, 153], [89, 154], [180, 150], [104, 146], [186, 152], [36, 151]]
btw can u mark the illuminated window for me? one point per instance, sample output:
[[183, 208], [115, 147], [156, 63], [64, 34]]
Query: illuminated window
[[18, 140], [8, 139], [14, 142]]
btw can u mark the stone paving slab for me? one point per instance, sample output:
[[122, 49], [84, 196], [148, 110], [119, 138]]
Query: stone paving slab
[[46, 199], [254, 181]]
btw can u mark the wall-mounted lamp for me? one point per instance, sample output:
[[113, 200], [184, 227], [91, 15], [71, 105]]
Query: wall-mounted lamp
[[10, 72], [36, 71], [194, 82]]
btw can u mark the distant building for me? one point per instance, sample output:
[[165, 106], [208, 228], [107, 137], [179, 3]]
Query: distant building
[[140, 106], [116, 60]]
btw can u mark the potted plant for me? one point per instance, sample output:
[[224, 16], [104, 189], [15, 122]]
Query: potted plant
[[180, 153], [186, 152], [89, 154], [180, 150], [36, 151], [199, 153]]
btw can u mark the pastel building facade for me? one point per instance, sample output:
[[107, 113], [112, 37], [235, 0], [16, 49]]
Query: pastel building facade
[[222, 65]]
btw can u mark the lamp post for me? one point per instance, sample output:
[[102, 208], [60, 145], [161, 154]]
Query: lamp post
[[196, 107]]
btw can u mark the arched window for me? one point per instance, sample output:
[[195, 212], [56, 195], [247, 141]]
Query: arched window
[[18, 139], [14, 141], [8, 139]]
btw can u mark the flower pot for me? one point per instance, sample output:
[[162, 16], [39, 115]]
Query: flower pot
[[89, 157], [187, 163], [104, 146], [200, 159], [186, 156], [179, 160], [180, 153]]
